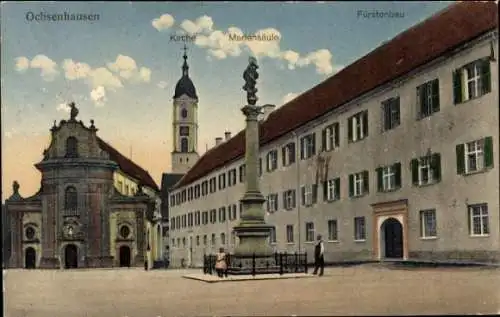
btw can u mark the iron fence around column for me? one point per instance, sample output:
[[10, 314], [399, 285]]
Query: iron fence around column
[[285, 262]]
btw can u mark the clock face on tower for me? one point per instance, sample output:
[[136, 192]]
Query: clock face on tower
[[184, 113]]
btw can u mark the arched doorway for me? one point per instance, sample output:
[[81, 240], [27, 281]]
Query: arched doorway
[[392, 231], [30, 258], [71, 256], [125, 256]]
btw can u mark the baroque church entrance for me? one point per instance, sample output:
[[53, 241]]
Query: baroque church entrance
[[29, 258], [393, 238], [71, 256], [125, 256]]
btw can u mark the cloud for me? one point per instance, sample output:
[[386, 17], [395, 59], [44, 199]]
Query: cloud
[[289, 97], [164, 22], [47, 67], [63, 107], [103, 77], [202, 24], [162, 84], [126, 67], [98, 96], [222, 44], [74, 70]]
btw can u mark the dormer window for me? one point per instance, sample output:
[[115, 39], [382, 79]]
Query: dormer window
[[71, 147]]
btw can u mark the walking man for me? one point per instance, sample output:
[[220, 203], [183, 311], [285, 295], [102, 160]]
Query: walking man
[[319, 260]]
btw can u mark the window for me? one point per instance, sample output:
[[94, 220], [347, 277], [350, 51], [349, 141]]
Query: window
[[197, 191], [204, 188], [307, 146], [358, 184], [30, 233], [472, 81], [331, 189], [127, 190], [389, 177], [426, 169], [272, 202], [288, 154], [184, 113], [197, 241], [178, 222], [184, 131], [184, 242], [428, 98], [204, 218], [178, 242], [172, 223], [309, 231], [222, 238], [474, 156], [359, 229], [184, 145], [205, 240], [478, 220], [391, 118], [172, 200], [222, 214], [183, 196], [213, 216], [428, 227], [309, 194], [241, 209], [234, 212], [332, 230], [173, 243], [330, 137], [125, 232], [289, 199], [184, 221], [289, 234], [71, 201], [231, 211], [213, 184], [190, 219], [212, 240], [272, 235], [190, 194], [272, 160], [231, 177], [242, 173], [357, 126], [71, 147], [222, 181]]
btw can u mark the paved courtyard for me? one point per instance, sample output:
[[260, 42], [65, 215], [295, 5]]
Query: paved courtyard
[[362, 290]]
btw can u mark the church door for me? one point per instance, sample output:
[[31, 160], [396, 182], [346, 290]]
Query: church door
[[71, 256], [125, 256], [393, 232], [30, 258]]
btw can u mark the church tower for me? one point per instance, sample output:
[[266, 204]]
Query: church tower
[[185, 123]]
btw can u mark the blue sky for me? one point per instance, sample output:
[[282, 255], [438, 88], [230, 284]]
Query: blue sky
[[133, 108]]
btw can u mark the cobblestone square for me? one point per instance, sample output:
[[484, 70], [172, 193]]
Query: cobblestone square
[[362, 290]]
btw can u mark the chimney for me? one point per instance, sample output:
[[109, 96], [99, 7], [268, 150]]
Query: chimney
[[218, 141], [227, 135], [266, 110]]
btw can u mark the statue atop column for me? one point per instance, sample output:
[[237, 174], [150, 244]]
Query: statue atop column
[[250, 75], [15, 188], [73, 112]]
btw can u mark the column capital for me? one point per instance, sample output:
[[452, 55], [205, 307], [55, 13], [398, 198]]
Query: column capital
[[251, 112]]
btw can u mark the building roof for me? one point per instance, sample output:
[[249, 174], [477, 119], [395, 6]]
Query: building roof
[[127, 166], [441, 33], [185, 86]]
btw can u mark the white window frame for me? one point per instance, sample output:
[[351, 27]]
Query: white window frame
[[475, 79], [272, 199], [358, 181], [308, 195], [478, 152], [310, 231], [330, 190], [289, 200], [357, 127], [482, 218], [308, 146], [212, 240], [359, 229], [272, 160], [426, 231], [272, 236], [288, 154], [388, 178], [290, 236], [330, 138], [425, 167], [333, 224]]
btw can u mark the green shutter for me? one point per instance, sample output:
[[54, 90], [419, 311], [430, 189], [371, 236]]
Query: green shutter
[[488, 152], [414, 171], [314, 193], [365, 123], [485, 76], [349, 129], [366, 183], [436, 166], [337, 135], [303, 195], [419, 102], [283, 155], [380, 184], [337, 188], [397, 168], [457, 86], [323, 140], [460, 151], [351, 185], [435, 95], [325, 190]]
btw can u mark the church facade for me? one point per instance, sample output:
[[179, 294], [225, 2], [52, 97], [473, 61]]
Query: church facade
[[95, 207]]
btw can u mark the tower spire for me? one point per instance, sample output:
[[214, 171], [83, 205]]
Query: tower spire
[[185, 67]]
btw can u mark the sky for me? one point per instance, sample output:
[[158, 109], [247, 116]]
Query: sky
[[122, 67]]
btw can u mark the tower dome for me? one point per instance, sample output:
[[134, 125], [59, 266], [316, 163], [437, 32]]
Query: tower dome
[[185, 86]]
